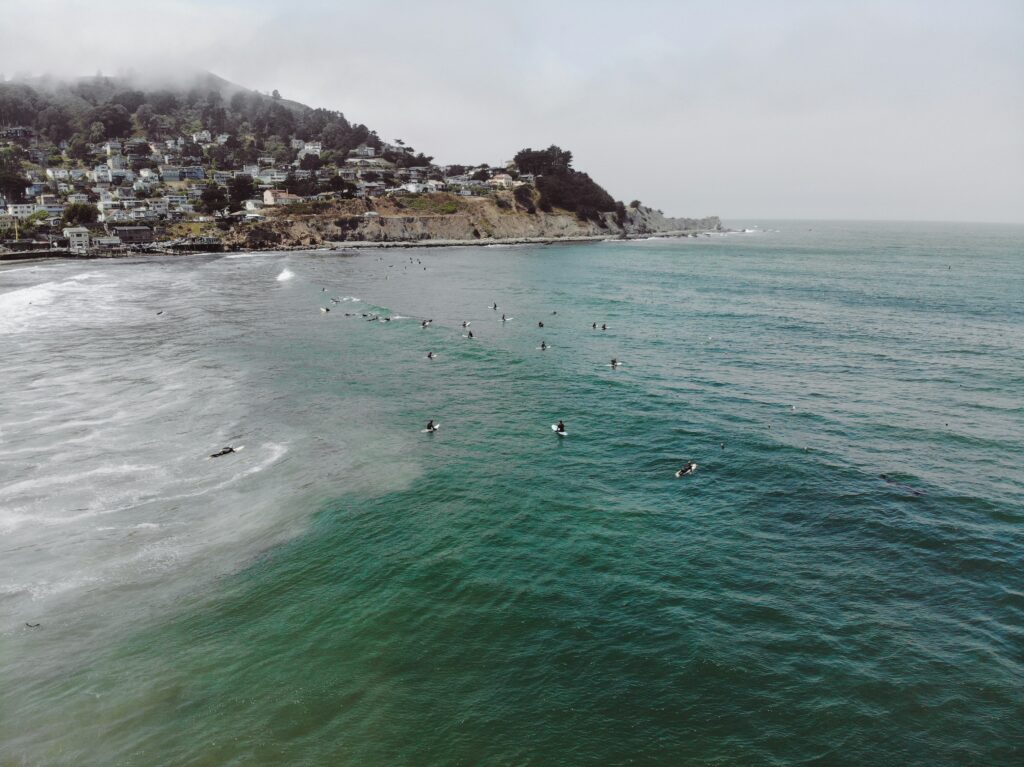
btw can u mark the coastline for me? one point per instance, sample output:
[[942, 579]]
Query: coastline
[[359, 245]]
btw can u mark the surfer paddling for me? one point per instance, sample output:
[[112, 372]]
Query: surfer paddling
[[223, 451], [687, 469]]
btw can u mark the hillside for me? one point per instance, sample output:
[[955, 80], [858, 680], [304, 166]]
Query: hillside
[[203, 157]]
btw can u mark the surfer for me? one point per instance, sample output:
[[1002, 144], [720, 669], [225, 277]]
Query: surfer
[[688, 469], [223, 451], [503, 317], [430, 425], [540, 324], [594, 326], [465, 324], [543, 346], [560, 428], [430, 355], [604, 327], [615, 362], [470, 334], [495, 307]]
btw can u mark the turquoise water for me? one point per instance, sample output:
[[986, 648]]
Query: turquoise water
[[349, 590]]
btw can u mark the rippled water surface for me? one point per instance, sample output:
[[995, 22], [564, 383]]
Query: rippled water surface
[[349, 590]]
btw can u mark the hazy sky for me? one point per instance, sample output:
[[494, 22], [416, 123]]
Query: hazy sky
[[876, 110]]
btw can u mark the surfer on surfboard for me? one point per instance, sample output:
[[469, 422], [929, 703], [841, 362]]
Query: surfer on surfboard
[[688, 469], [560, 428], [430, 426], [223, 451]]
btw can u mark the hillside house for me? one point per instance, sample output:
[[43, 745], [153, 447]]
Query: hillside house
[[78, 239], [280, 197], [133, 235]]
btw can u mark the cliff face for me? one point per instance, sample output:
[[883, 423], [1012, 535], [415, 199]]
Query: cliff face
[[442, 217]]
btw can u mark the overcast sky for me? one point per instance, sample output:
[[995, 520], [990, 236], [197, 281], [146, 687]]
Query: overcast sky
[[856, 110]]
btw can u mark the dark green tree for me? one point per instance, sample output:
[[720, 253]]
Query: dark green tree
[[80, 214], [240, 189], [212, 199]]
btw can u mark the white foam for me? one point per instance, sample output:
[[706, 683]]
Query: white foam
[[286, 274]]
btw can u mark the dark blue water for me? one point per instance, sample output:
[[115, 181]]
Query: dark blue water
[[349, 590]]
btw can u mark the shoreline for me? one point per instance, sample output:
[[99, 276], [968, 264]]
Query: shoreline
[[360, 245]]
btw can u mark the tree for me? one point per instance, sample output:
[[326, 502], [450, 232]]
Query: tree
[[80, 214], [79, 149], [635, 204], [240, 189], [55, 123], [550, 161], [212, 199], [310, 162], [276, 95], [12, 182], [340, 185], [481, 175]]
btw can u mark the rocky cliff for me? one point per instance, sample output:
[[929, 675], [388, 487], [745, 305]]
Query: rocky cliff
[[444, 218]]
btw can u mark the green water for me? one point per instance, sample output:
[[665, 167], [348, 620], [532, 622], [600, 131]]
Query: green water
[[349, 590]]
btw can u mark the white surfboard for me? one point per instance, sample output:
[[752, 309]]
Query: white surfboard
[[543, 348], [430, 431], [554, 428], [684, 473]]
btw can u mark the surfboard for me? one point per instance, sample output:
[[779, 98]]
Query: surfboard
[[684, 473], [430, 431], [544, 348], [554, 428], [472, 338]]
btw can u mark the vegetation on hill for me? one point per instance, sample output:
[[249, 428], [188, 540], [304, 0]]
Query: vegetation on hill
[[561, 186], [100, 108]]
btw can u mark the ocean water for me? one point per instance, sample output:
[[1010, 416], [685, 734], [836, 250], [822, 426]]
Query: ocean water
[[348, 590]]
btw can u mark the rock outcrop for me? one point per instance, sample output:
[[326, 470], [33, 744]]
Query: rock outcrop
[[444, 218]]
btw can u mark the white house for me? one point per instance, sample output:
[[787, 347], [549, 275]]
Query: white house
[[202, 137], [57, 174], [363, 151], [280, 197], [21, 210], [78, 199], [501, 181], [78, 238]]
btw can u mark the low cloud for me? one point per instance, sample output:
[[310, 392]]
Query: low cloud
[[785, 109]]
